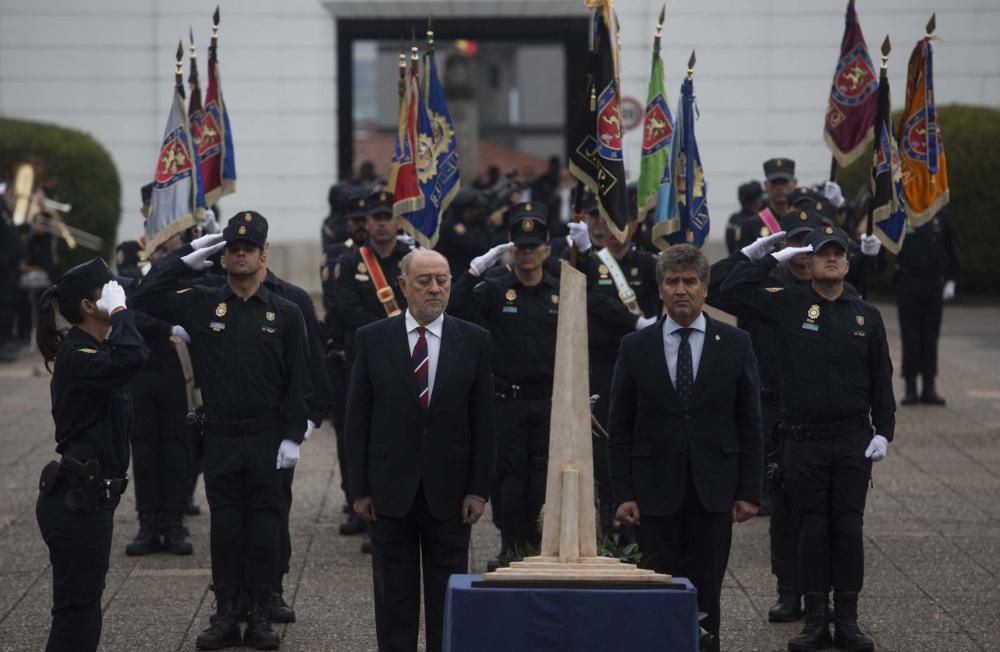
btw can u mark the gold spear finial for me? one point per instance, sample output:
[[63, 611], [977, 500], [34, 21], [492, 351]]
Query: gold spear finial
[[691, 62], [179, 69], [659, 22], [932, 24], [194, 50], [886, 48], [430, 33]]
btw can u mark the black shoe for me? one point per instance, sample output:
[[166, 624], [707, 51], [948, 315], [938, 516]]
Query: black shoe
[[910, 397], [788, 608], [816, 633], [193, 508], [352, 526], [366, 543], [279, 611], [846, 634], [148, 539], [259, 634], [175, 535], [930, 396], [224, 628]]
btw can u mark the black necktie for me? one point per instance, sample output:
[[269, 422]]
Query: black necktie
[[685, 368]]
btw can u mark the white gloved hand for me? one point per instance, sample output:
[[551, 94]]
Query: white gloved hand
[[948, 293], [211, 225], [579, 233], [833, 194], [181, 334], [206, 240], [310, 426], [870, 245], [791, 252], [482, 263], [112, 298], [762, 246], [407, 239], [288, 454], [198, 259], [643, 322], [877, 448]]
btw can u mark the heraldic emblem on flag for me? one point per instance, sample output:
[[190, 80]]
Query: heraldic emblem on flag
[[888, 213], [657, 130], [403, 180], [850, 111], [215, 147]]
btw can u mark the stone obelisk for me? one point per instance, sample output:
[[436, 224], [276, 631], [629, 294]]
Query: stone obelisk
[[569, 530]]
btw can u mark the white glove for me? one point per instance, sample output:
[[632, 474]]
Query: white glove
[[877, 449], [833, 194], [206, 240], [181, 334], [579, 233], [199, 258], [762, 246], [211, 225], [112, 298], [791, 252], [310, 426], [870, 244], [643, 322], [949, 291], [482, 263], [288, 454], [407, 240]]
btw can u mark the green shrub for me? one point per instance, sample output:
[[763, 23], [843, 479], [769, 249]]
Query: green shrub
[[84, 176], [971, 137]]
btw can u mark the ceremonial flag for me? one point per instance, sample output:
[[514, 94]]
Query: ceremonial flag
[[196, 115], [215, 150], [888, 212], [597, 159], [178, 201], [403, 181], [682, 206], [850, 112], [657, 128], [436, 160], [925, 170]]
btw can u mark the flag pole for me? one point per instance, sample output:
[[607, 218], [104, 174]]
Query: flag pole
[[870, 226], [179, 68]]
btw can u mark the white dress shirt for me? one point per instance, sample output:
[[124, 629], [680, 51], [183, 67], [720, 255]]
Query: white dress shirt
[[672, 342], [433, 336]]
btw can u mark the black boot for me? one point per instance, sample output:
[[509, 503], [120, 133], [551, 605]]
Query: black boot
[[929, 396], [910, 397], [816, 634], [192, 508], [366, 542], [224, 630], [148, 538], [280, 612], [353, 525], [175, 535], [846, 634], [788, 608], [260, 635]]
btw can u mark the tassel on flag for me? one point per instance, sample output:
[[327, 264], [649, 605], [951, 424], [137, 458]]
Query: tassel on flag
[[657, 129], [218, 158]]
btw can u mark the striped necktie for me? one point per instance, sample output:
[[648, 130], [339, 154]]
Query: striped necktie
[[421, 364]]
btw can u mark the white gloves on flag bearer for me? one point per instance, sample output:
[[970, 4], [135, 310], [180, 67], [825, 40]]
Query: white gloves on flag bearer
[[761, 247], [870, 245], [204, 248], [482, 263], [288, 454], [877, 448], [579, 234], [112, 298]]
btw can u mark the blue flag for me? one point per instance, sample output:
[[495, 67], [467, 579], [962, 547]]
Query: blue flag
[[436, 160], [682, 201], [888, 203]]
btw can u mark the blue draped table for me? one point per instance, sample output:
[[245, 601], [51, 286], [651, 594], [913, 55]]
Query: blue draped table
[[484, 619]]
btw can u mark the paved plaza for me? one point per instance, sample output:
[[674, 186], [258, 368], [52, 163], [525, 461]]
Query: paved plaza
[[932, 532]]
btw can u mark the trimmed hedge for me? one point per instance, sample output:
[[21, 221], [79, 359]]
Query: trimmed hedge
[[84, 176], [971, 137]]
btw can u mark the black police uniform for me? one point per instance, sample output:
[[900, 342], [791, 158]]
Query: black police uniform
[[11, 254], [744, 225], [522, 322], [836, 393], [775, 169], [609, 319], [928, 259], [463, 238], [92, 410], [249, 356]]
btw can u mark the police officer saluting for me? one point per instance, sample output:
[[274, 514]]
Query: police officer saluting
[[249, 347], [519, 306], [92, 410], [838, 415]]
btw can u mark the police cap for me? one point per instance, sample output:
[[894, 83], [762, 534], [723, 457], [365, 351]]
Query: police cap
[[357, 207], [380, 203], [78, 283], [528, 224], [127, 258], [776, 169], [798, 221], [750, 191], [246, 225], [824, 234]]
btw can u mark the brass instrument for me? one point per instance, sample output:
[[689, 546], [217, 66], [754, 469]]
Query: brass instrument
[[32, 206]]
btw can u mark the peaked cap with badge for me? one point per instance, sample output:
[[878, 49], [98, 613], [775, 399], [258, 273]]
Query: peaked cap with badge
[[779, 169], [528, 225], [246, 225]]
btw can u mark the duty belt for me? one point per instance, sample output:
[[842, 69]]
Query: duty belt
[[243, 428], [825, 430], [90, 471], [505, 390]]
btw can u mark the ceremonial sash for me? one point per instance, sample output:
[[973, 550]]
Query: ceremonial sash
[[192, 394], [382, 289], [625, 291], [770, 221]]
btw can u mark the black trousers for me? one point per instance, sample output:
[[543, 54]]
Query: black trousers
[[522, 429], [782, 528], [244, 495], [285, 534], [602, 368], [337, 369], [160, 439], [693, 543], [920, 310], [79, 549], [401, 549], [828, 483]]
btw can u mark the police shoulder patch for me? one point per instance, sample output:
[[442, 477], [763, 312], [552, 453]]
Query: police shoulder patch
[[87, 349], [774, 289]]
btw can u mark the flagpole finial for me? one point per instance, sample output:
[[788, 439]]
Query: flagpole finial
[[414, 54], [194, 50], [179, 69], [659, 22], [886, 48], [931, 24], [691, 62], [430, 32], [215, 26]]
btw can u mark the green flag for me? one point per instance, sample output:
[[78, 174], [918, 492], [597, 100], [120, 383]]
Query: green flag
[[657, 130]]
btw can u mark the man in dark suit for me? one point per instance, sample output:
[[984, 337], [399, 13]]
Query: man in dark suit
[[685, 426], [420, 447]]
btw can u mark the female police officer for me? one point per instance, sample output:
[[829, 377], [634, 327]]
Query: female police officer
[[93, 361]]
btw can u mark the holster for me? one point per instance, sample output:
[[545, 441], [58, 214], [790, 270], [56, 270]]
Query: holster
[[50, 479], [86, 484], [775, 473]]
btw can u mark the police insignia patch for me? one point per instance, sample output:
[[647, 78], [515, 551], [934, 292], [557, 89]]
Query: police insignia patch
[[813, 312], [603, 270], [829, 230], [87, 350], [860, 319], [555, 298], [269, 316], [242, 230], [460, 228], [220, 310], [510, 295], [247, 217], [803, 216], [362, 269], [633, 271], [527, 206], [764, 231], [529, 225]]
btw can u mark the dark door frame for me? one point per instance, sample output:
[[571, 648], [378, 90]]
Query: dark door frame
[[571, 31]]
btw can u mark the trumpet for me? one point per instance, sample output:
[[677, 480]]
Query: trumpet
[[32, 206]]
